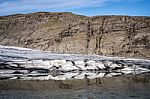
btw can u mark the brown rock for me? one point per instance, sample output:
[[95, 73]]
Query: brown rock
[[69, 33]]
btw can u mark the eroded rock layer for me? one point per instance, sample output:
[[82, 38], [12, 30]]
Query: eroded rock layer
[[69, 33]]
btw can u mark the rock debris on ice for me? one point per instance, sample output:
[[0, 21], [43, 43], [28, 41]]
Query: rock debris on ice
[[28, 64]]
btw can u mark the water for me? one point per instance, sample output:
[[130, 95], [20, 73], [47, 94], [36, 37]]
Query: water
[[122, 87]]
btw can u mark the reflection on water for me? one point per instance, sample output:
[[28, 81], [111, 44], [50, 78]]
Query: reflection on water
[[67, 75], [124, 87]]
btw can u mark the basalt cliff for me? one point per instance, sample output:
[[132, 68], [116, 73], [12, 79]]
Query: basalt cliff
[[125, 36]]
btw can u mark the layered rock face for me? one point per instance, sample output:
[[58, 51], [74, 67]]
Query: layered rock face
[[69, 33]]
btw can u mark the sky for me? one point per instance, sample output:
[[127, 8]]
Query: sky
[[82, 7]]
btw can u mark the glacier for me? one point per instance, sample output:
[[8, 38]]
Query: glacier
[[29, 64]]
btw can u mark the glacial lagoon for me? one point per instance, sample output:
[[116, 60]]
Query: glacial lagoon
[[121, 87]]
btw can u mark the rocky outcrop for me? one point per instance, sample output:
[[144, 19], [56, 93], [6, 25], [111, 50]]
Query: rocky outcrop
[[69, 33]]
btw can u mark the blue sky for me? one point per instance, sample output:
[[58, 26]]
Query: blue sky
[[83, 7]]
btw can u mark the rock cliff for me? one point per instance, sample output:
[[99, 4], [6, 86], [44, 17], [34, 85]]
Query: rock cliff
[[126, 36]]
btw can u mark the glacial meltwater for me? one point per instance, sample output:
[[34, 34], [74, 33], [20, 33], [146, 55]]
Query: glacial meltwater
[[121, 87]]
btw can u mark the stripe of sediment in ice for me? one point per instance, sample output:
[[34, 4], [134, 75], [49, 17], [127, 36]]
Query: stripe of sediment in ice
[[28, 64]]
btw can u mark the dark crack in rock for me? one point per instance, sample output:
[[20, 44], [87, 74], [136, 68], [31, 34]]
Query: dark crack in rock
[[125, 36]]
